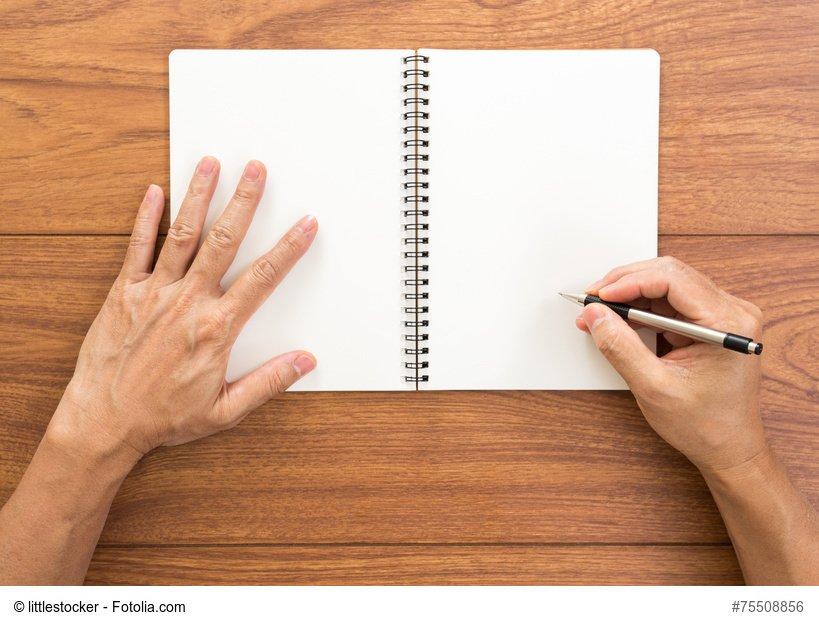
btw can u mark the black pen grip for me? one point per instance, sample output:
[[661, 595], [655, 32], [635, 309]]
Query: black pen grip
[[621, 308]]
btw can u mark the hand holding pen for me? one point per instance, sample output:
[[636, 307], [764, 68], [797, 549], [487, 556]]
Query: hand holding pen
[[704, 401], [699, 397]]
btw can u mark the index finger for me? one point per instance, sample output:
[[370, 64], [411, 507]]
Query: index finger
[[258, 282], [619, 271], [688, 291]]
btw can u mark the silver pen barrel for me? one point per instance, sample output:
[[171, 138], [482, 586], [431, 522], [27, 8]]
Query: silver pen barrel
[[691, 330]]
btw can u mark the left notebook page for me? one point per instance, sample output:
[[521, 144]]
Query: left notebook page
[[327, 124]]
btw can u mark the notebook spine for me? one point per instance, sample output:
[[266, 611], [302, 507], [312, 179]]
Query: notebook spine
[[415, 216]]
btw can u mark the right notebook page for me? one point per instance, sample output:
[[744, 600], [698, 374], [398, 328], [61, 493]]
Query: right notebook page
[[543, 176]]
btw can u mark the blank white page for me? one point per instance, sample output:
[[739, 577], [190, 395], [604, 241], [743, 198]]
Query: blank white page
[[327, 125], [543, 176]]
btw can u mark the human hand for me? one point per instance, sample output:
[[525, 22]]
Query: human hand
[[702, 399], [151, 370]]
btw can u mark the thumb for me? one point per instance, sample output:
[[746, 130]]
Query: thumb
[[267, 381], [621, 346]]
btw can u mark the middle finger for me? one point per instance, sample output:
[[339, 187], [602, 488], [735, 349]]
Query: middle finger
[[223, 240]]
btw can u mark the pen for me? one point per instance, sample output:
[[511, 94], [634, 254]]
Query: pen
[[735, 342]]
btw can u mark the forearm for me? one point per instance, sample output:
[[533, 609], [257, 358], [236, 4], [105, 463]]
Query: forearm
[[772, 526], [52, 522]]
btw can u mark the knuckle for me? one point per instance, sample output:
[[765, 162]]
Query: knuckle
[[753, 323], [183, 302], [181, 232], [245, 195], [228, 415], [138, 240], [745, 316], [755, 311], [277, 381], [669, 262], [607, 337], [617, 271], [143, 220], [215, 327], [292, 244], [267, 270], [222, 236], [705, 281], [198, 189]]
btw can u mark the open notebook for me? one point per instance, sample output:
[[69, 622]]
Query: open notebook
[[456, 192]]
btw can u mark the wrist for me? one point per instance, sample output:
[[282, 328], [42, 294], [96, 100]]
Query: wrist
[[110, 459], [81, 437], [733, 448], [753, 472]]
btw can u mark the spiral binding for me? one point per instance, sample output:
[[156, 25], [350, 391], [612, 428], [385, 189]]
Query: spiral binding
[[416, 197]]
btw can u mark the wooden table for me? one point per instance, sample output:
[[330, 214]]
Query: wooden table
[[489, 487]]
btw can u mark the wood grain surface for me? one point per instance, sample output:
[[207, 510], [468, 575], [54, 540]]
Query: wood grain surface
[[490, 487], [416, 564]]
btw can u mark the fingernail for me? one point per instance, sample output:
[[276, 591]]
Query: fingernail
[[594, 314], [206, 166], [308, 224], [304, 363], [592, 287], [150, 193], [252, 171]]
